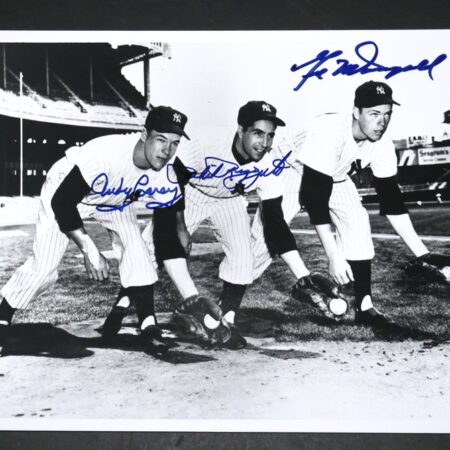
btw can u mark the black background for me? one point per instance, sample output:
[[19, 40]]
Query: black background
[[220, 15]]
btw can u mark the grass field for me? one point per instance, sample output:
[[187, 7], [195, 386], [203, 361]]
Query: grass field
[[427, 221], [267, 309]]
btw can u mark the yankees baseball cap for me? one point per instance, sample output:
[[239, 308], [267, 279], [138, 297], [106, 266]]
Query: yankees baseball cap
[[373, 93], [166, 120], [256, 110]]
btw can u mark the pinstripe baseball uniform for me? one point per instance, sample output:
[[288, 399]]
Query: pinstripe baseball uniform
[[330, 148], [212, 197], [106, 165], [290, 179]]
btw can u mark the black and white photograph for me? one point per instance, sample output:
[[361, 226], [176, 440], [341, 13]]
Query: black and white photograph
[[225, 231]]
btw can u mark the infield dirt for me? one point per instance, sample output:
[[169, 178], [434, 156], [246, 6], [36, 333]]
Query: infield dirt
[[79, 376]]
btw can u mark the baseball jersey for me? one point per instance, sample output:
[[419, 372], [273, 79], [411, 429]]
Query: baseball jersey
[[106, 164], [329, 148], [218, 172]]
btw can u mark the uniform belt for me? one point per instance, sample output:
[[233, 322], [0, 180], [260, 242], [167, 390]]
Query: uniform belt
[[340, 181]]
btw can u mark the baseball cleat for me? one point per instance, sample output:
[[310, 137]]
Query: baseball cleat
[[232, 340], [220, 334], [4, 329], [372, 317], [113, 322], [153, 341], [6, 312], [236, 341]]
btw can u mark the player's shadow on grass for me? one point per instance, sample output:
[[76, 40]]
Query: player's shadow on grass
[[41, 339], [46, 340], [257, 322], [396, 332], [263, 323]]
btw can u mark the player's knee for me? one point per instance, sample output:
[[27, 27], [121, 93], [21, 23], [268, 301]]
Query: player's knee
[[138, 254], [244, 262], [361, 220], [239, 271]]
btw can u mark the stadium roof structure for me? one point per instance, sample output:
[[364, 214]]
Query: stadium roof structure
[[130, 54], [75, 84]]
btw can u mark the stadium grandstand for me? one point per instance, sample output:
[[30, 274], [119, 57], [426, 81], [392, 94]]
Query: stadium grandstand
[[53, 96]]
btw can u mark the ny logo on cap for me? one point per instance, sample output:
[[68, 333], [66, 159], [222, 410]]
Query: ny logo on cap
[[266, 107], [380, 90], [177, 118]]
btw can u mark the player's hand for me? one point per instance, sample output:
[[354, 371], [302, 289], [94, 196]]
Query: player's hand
[[96, 265], [340, 270], [185, 240]]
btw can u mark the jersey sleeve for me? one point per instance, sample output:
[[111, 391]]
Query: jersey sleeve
[[88, 160], [166, 190], [384, 163], [271, 186], [191, 154], [319, 147]]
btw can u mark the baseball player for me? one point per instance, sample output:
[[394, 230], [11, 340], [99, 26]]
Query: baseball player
[[332, 149], [100, 180], [216, 178]]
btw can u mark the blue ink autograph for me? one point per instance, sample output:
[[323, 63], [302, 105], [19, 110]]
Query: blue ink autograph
[[366, 65], [140, 189], [232, 174]]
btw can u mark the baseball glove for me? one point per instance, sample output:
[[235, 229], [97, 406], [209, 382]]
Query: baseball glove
[[193, 314], [431, 266], [318, 291]]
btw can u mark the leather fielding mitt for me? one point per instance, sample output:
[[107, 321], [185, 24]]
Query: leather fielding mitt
[[193, 314], [320, 292], [431, 266]]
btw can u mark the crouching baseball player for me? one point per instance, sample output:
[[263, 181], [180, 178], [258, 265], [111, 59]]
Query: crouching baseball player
[[100, 180], [332, 149], [216, 177]]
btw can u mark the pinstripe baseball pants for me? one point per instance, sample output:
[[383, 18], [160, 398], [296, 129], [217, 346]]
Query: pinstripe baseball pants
[[40, 271], [353, 234], [291, 181], [230, 223]]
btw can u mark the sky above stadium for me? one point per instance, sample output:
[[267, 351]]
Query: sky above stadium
[[210, 75]]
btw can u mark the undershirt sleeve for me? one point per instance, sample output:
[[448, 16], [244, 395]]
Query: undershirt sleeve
[[66, 198], [183, 176], [165, 237], [278, 236], [315, 192], [389, 196]]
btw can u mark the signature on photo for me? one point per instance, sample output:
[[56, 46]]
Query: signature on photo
[[366, 64], [231, 173]]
